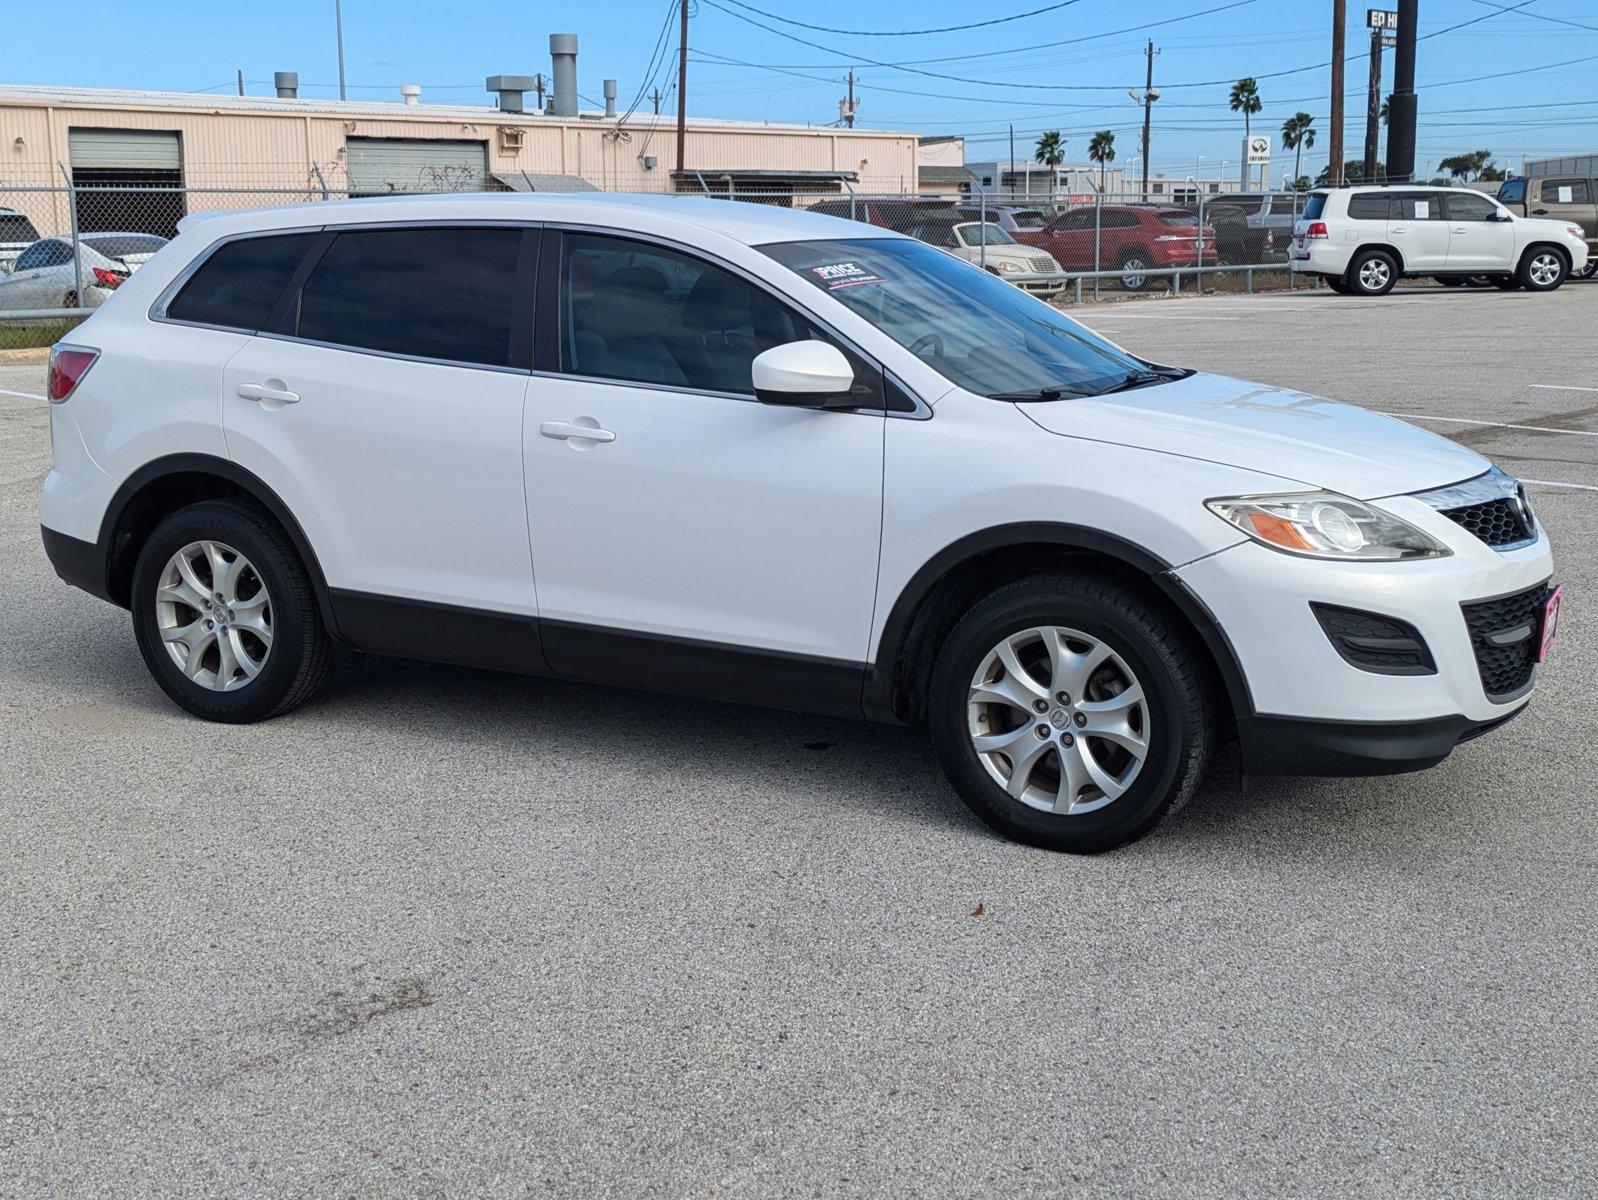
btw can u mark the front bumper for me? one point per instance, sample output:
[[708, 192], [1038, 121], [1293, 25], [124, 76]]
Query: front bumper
[[1308, 710]]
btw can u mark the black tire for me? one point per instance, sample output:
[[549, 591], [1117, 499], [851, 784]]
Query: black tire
[[1373, 273], [70, 300], [1450, 280], [300, 658], [1134, 268], [1542, 269], [1337, 283], [1504, 283], [1588, 271], [1181, 718]]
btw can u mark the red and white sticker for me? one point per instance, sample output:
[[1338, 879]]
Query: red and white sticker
[[1550, 622], [833, 276]]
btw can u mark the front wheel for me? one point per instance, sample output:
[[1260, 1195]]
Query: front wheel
[[1069, 713], [1134, 273], [225, 615], [1543, 270]]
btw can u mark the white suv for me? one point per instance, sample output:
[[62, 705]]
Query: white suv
[[1362, 240], [755, 454]]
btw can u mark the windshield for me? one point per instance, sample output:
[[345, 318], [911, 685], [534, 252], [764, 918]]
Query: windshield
[[970, 326], [119, 245], [979, 234]]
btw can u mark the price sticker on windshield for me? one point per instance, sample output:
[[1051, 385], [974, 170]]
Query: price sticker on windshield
[[833, 276]]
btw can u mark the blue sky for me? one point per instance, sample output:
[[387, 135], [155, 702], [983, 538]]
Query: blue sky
[[1539, 95]]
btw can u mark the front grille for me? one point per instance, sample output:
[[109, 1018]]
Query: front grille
[[1382, 645], [1496, 522], [1505, 633], [1042, 265]]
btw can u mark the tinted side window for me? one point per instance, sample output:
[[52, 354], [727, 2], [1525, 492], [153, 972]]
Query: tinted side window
[[1283, 206], [1418, 206], [1081, 219], [48, 253], [1122, 219], [1368, 206], [647, 314], [1469, 207], [14, 227], [431, 293], [1513, 191], [1564, 191], [240, 283], [1316, 206]]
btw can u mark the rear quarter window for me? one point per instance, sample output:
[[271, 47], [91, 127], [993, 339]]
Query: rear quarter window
[[1369, 206], [1315, 206], [14, 227], [1512, 191], [238, 286]]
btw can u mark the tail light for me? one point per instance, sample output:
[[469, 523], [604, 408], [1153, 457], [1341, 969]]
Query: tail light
[[1317, 229], [110, 279], [68, 366]]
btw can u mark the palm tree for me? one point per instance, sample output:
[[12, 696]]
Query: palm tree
[[1298, 135], [1245, 99], [1102, 150], [1051, 153]]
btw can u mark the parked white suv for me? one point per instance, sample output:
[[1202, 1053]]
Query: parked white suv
[[1362, 240], [756, 454]]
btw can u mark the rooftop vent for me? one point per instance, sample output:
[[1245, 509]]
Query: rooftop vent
[[510, 89], [563, 53], [412, 92], [287, 84]]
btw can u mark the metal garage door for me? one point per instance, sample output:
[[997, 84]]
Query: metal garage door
[[125, 149], [378, 166]]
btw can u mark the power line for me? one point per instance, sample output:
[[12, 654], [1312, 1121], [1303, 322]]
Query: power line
[[906, 32]]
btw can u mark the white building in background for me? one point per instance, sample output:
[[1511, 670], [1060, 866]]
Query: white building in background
[[1074, 182]]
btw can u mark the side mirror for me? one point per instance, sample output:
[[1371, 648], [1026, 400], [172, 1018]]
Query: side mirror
[[802, 375]]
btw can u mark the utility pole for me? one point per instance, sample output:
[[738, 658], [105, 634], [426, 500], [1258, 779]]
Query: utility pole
[[338, 28], [1373, 107], [1334, 151], [538, 90], [682, 95], [1012, 163], [655, 98], [1146, 98], [848, 105], [241, 81], [1402, 107]]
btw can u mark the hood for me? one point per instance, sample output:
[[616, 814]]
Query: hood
[[1320, 443]]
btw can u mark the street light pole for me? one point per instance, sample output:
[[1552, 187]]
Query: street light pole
[[338, 29]]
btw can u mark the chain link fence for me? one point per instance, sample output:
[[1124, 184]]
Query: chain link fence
[[65, 246]]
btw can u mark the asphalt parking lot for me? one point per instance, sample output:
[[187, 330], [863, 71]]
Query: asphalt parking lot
[[446, 932]]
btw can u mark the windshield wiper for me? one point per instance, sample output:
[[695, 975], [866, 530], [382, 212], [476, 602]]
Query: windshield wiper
[[1137, 379], [1052, 392]]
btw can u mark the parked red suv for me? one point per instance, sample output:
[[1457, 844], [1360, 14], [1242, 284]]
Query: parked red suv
[[1132, 239]]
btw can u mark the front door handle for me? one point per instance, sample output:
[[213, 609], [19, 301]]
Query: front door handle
[[581, 429], [1539, 212], [256, 391]]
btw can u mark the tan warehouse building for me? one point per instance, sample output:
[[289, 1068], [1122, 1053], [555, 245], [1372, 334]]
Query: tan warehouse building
[[243, 151]]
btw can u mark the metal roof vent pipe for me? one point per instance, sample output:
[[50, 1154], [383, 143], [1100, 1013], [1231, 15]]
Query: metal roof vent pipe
[[610, 97], [287, 84], [563, 55], [412, 92], [510, 89]]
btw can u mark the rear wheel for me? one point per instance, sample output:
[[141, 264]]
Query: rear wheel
[[1543, 269], [225, 616], [1373, 273], [1069, 713], [1450, 280], [1506, 283], [1337, 283]]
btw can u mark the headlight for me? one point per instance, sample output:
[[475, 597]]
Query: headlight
[[1326, 525], [1009, 268], [1576, 231]]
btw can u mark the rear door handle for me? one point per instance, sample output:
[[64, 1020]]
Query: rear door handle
[[1539, 212], [1399, 229], [256, 391], [583, 429]]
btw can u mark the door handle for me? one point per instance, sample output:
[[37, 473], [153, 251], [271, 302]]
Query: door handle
[[582, 429], [256, 391], [1461, 229], [1399, 229], [1539, 212]]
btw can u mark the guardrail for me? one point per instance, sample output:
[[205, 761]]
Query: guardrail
[[1069, 279]]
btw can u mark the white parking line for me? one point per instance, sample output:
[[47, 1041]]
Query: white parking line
[[20, 395], [1563, 387], [1585, 487], [1494, 424]]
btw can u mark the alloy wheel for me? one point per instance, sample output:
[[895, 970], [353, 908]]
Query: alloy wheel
[[214, 615], [1374, 274], [1132, 277], [1545, 269], [1058, 720]]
